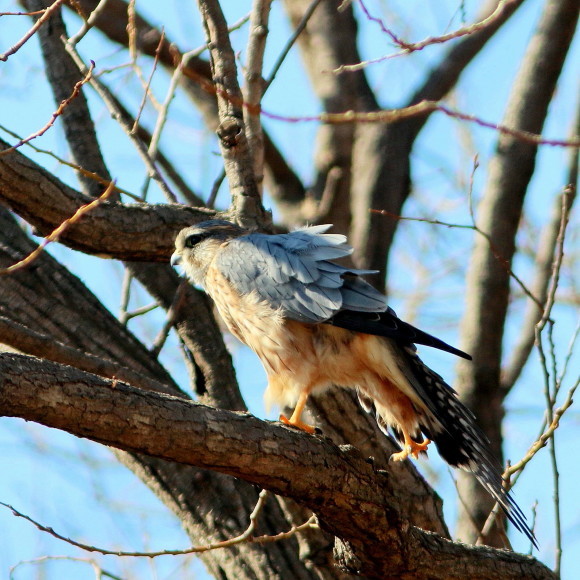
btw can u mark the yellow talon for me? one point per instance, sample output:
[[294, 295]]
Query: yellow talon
[[297, 423], [410, 448]]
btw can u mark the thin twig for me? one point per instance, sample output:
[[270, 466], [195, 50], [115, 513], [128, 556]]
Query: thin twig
[[422, 108], [297, 32], [99, 572], [63, 105], [473, 227], [125, 124], [88, 23], [553, 415], [142, 310], [147, 88], [125, 296], [90, 174], [172, 313], [215, 189], [47, 14], [245, 537], [409, 47]]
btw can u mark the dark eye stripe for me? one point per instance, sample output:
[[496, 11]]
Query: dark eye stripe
[[194, 239]]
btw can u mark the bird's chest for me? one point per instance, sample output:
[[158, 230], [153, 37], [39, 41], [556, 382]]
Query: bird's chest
[[251, 320]]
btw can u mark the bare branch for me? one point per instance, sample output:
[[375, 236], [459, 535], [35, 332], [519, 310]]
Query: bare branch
[[503, 9], [63, 105], [246, 202], [420, 109], [500, 210], [246, 537], [55, 235], [47, 13], [282, 181], [254, 87], [141, 232], [347, 494]]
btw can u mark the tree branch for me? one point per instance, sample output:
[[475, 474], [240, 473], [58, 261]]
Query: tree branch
[[246, 202], [349, 497], [141, 232], [499, 216]]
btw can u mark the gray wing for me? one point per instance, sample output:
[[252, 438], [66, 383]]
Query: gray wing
[[292, 272]]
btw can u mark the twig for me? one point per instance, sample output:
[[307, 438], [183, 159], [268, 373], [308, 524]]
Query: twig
[[215, 189], [142, 310], [47, 14], [125, 124], [552, 393], [63, 105], [125, 296], [473, 227], [553, 416], [422, 108], [545, 255], [409, 47], [254, 88], [88, 23], [52, 237], [245, 537], [147, 88], [297, 32], [90, 174], [172, 313], [99, 572]]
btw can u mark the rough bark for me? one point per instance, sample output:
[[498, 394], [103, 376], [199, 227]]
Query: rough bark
[[142, 232], [347, 494], [38, 300]]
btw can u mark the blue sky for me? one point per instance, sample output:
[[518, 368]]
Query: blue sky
[[76, 486]]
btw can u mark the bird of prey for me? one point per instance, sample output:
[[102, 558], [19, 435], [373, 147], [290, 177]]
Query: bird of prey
[[315, 324]]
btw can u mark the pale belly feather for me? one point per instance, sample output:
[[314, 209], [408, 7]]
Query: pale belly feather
[[302, 357]]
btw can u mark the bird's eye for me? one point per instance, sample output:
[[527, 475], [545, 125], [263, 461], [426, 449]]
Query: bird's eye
[[193, 239]]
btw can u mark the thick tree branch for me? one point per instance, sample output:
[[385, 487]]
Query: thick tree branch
[[39, 298], [141, 232], [347, 493]]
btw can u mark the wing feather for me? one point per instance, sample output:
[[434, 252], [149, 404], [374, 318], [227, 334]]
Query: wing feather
[[291, 272]]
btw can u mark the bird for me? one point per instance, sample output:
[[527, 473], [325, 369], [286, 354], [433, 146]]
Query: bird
[[316, 324]]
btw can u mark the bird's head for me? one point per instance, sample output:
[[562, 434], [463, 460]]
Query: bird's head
[[196, 246]]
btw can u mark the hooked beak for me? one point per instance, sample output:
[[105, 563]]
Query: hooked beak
[[175, 259]]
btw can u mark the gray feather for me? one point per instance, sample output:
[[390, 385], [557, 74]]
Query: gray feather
[[291, 272]]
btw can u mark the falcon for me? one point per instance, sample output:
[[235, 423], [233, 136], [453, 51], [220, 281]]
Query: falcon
[[315, 324]]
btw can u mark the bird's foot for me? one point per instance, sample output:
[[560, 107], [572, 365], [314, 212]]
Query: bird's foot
[[411, 448], [298, 424]]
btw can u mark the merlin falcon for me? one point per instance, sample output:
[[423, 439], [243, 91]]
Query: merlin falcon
[[315, 324]]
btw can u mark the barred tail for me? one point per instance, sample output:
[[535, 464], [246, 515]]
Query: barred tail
[[460, 441]]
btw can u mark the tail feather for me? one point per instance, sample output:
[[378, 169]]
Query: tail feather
[[453, 429], [460, 441]]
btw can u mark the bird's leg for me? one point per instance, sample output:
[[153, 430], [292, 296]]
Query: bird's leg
[[410, 447], [295, 420]]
